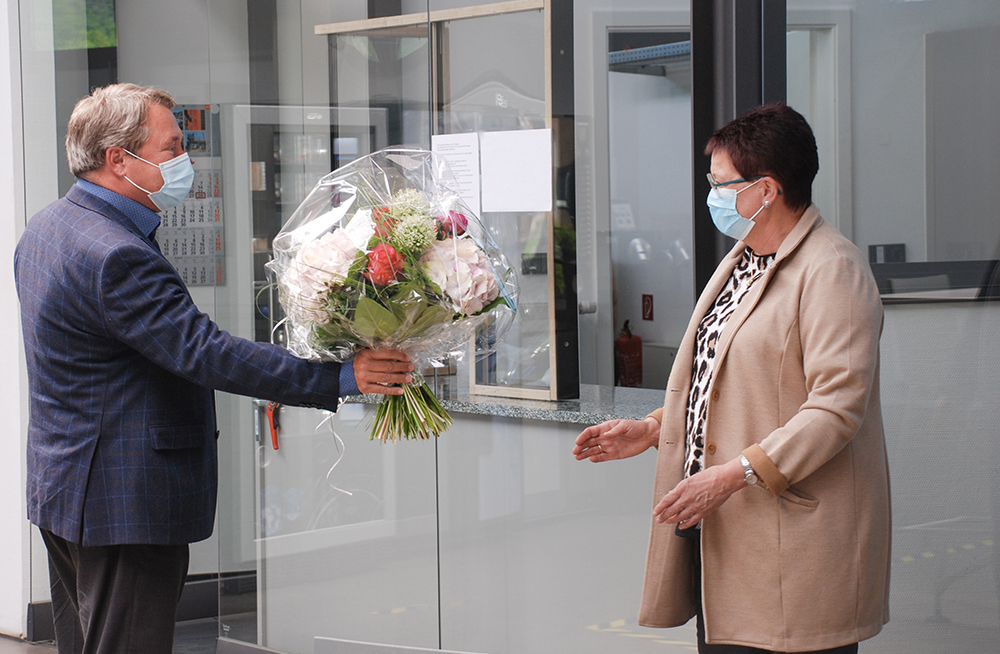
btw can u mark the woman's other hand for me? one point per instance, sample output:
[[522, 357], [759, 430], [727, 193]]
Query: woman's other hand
[[701, 494], [617, 439], [381, 371]]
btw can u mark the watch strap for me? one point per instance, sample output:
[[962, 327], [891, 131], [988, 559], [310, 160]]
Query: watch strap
[[748, 474]]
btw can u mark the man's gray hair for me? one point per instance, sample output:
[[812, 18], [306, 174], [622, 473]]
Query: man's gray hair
[[110, 116]]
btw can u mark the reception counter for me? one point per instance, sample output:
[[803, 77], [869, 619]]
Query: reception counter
[[596, 403], [490, 538]]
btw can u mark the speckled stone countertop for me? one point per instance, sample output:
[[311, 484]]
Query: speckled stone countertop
[[596, 403]]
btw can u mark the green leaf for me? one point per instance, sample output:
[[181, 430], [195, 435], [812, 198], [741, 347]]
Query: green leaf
[[434, 314], [372, 320], [493, 305]]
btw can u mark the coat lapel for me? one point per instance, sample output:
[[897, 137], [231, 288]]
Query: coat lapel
[[808, 220]]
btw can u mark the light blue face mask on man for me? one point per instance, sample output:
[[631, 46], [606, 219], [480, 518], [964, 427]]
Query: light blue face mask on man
[[722, 206], [178, 176]]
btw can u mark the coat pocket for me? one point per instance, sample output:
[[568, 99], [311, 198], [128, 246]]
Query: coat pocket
[[177, 437], [800, 498]]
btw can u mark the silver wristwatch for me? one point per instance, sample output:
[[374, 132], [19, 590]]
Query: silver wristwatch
[[749, 476]]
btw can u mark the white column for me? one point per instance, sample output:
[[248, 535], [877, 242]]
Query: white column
[[15, 545]]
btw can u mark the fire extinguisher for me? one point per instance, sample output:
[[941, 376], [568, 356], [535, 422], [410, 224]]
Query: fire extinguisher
[[628, 358]]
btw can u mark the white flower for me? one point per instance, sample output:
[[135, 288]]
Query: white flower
[[409, 202], [318, 266], [460, 268], [414, 234]]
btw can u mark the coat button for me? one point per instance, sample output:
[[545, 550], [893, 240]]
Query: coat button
[[711, 448]]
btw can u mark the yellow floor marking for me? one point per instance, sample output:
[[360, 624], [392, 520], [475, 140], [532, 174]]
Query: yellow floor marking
[[909, 559], [401, 609], [928, 555], [617, 623], [593, 627], [988, 543], [650, 636], [968, 546]]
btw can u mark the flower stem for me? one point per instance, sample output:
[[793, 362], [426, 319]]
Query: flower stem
[[416, 413]]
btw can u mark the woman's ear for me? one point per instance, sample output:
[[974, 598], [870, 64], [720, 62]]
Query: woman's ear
[[771, 191]]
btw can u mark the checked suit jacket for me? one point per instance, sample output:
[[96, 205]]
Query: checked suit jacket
[[121, 367]]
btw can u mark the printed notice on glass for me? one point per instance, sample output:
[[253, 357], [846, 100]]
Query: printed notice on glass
[[516, 170], [461, 151]]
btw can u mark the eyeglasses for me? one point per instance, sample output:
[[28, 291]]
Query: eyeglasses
[[715, 184]]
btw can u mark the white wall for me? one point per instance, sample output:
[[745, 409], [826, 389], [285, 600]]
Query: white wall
[[14, 546]]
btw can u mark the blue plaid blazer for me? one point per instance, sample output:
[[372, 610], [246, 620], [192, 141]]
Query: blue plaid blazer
[[121, 431]]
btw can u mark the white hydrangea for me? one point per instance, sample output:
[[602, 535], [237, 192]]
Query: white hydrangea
[[460, 268], [318, 266]]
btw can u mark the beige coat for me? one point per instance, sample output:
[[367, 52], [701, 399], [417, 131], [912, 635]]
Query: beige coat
[[806, 565]]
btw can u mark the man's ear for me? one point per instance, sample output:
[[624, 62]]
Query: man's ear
[[114, 159]]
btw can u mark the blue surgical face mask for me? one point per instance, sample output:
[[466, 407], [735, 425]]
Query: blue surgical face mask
[[722, 206], [178, 176]]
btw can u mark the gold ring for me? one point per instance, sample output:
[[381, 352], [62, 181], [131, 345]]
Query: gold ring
[[600, 448]]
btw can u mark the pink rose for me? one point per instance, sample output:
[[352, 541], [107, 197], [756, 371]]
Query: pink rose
[[454, 223]]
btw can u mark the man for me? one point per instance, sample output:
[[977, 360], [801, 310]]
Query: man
[[122, 457]]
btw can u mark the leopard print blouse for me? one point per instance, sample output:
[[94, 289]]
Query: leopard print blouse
[[750, 267]]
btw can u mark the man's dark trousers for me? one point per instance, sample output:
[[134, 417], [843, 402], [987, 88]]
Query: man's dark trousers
[[115, 599]]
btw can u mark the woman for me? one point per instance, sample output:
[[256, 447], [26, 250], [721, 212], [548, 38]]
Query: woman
[[772, 523]]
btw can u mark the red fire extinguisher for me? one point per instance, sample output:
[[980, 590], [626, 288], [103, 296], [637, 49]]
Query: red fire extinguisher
[[628, 358]]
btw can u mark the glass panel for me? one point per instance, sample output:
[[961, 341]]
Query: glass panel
[[649, 143], [71, 46], [493, 80], [541, 553], [903, 98], [308, 550], [347, 548], [633, 180]]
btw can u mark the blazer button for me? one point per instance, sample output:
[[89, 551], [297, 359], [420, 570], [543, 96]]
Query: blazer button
[[711, 448]]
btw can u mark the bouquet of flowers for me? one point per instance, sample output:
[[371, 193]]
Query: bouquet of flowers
[[383, 253]]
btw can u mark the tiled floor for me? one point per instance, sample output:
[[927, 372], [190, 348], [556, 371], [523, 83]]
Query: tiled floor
[[191, 637], [12, 646]]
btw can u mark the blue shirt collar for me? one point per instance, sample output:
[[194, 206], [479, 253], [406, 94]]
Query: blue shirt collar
[[146, 220]]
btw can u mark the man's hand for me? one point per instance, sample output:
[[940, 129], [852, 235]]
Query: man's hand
[[700, 494], [616, 439], [382, 371]]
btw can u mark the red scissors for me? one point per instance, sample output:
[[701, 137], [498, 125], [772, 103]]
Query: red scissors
[[273, 420]]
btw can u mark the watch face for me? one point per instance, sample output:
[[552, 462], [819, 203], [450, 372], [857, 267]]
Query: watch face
[[751, 479]]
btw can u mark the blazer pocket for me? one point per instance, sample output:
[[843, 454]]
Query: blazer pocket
[[800, 498], [177, 437]]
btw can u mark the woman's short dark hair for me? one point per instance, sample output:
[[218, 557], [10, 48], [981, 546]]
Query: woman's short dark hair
[[773, 140]]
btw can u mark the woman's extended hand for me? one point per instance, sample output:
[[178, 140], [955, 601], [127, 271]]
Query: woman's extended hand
[[617, 439], [701, 494], [376, 371]]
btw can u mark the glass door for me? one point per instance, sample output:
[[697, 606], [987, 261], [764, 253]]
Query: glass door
[[649, 152]]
